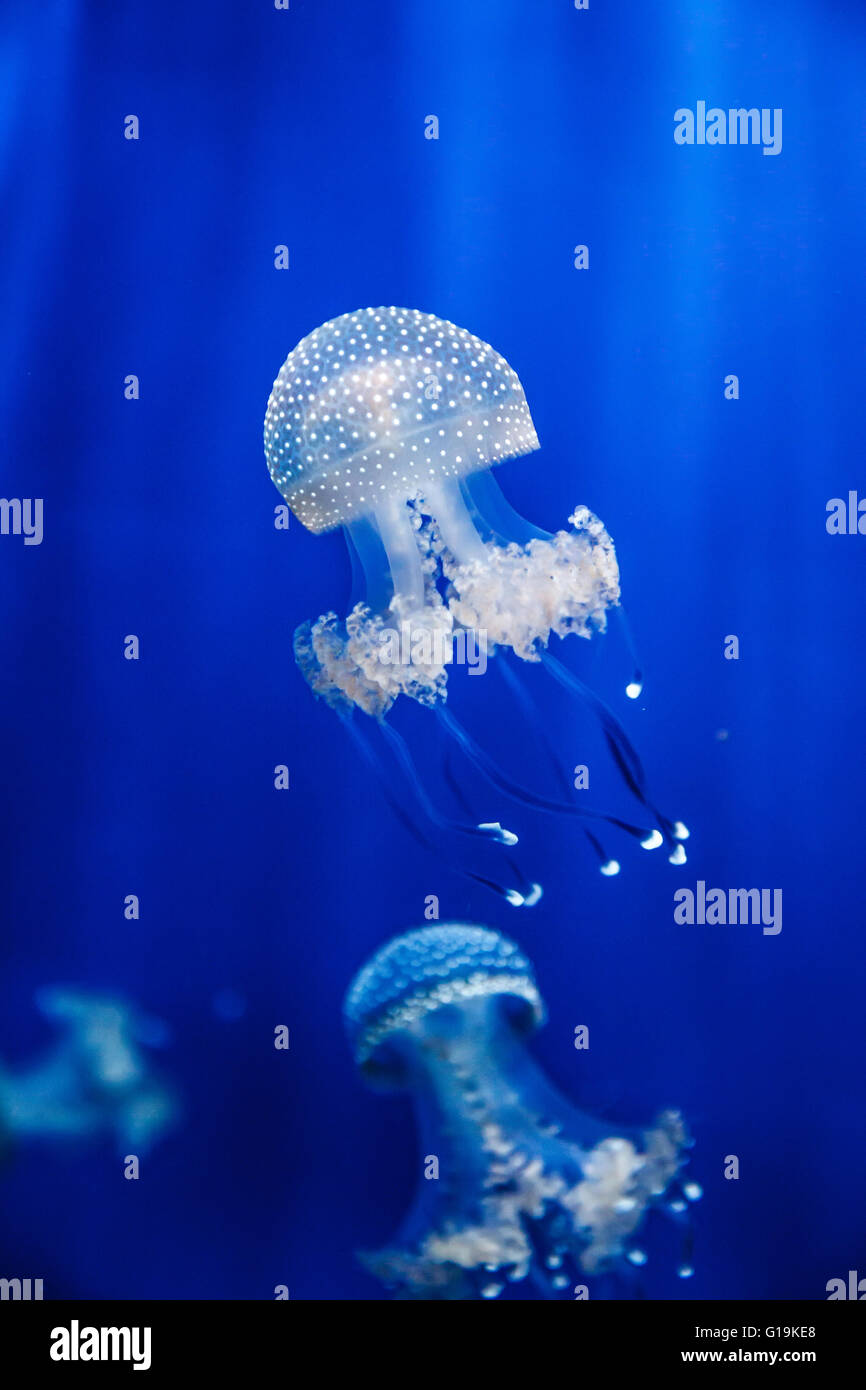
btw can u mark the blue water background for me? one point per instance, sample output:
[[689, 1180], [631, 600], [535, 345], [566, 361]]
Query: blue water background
[[156, 778]]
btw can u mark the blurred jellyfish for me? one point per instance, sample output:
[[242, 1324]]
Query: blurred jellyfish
[[528, 1185], [96, 1080], [386, 422]]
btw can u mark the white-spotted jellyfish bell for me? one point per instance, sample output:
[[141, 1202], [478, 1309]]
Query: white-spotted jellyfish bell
[[528, 1185], [386, 422]]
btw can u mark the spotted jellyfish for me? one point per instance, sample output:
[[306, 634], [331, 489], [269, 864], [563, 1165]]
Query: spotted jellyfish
[[95, 1081], [527, 1185], [386, 422]]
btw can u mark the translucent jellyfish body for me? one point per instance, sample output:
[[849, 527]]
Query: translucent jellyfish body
[[528, 1186], [95, 1081], [386, 422]]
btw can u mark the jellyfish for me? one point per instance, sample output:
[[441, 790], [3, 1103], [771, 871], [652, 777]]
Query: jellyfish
[[96, 1081], [387, 422], [528, 1185]]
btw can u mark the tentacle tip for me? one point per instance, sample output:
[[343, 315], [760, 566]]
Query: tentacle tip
[[680, 831], [634, 689], [610, 869], [685, 1271], [678, 857], [692, 1191], [498, 832], [652, 840], [535, 894], [637, 1257], [513, 898]]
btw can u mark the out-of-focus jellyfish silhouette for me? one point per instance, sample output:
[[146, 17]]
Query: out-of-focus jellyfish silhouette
[[386, 422], [96, 1080], [528, 1185]]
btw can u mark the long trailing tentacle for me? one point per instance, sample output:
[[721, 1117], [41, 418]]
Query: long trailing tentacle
[[607, 866], [618, 739], [514, 897], [648, 838], [635, 685], [531, 714], [622, 750], [485, 830], [531, 890]]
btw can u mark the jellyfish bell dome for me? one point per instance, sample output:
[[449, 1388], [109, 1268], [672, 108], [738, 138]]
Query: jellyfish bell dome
[[376, 405], [419, 983]]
